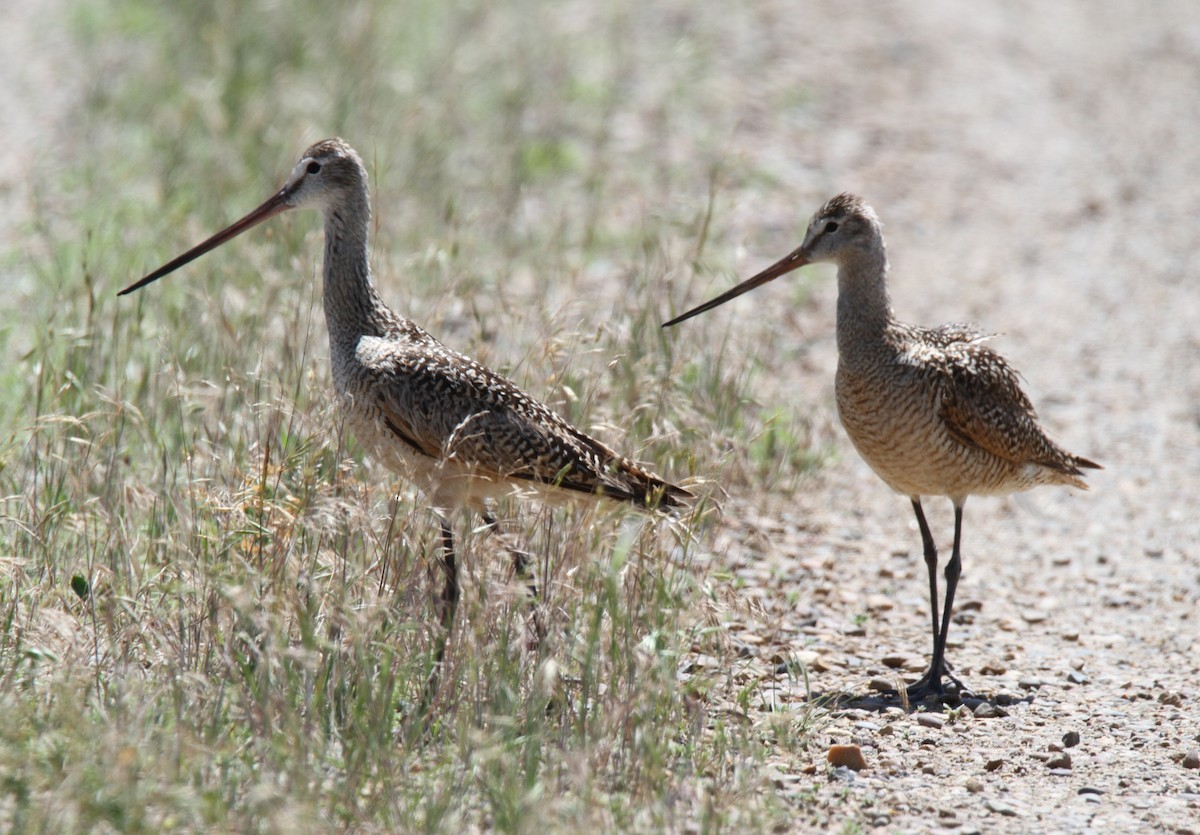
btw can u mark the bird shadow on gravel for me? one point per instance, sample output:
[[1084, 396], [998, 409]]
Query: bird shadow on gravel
[[982, 706]]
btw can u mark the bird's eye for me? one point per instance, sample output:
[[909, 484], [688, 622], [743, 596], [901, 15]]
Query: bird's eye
[[831, 227], [314, 167]]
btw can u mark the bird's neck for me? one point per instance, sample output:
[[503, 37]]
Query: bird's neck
[[864, 309], [353, 307]]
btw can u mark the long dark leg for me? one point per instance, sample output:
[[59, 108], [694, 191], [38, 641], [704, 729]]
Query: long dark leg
[[931, 562], [446, 605], [931, 682], [922, 686], [953, 571], [521, 560], [535, 622]]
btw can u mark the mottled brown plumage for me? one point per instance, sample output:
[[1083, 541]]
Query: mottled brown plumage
[[933, 411], [462, 432]]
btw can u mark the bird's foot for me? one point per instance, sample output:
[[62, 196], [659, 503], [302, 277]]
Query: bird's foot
[[937, 684]]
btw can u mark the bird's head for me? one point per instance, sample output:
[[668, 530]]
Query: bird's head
[[326, 174], [839, 228], [329, 175], [843, 226]]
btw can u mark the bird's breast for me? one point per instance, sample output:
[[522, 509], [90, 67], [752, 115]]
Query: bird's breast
[[891, 414]]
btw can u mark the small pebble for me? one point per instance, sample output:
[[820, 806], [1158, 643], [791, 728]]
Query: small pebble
[[842, 773], [1191, 759], [987, 710], [879, 602], [1076, 677], [881, 685], [1090, 790], [931, 720], [1000, 808], [974, 785], [780, 779], [1029, 683], [848, 756], [993, 764], [1070, 739]]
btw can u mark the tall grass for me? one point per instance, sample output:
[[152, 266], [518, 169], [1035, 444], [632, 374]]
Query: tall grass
[[216, 614]]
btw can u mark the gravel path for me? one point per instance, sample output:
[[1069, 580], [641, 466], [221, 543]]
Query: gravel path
[[1035, 168]]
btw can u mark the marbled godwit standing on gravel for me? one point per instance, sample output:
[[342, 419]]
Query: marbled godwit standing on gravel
[[933, 411], [462, 432]]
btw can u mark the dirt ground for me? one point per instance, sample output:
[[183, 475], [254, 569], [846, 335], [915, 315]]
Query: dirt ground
[[1035, 166]]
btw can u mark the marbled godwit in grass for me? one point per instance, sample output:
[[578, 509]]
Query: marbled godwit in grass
[[933, 411], [463, 433]]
